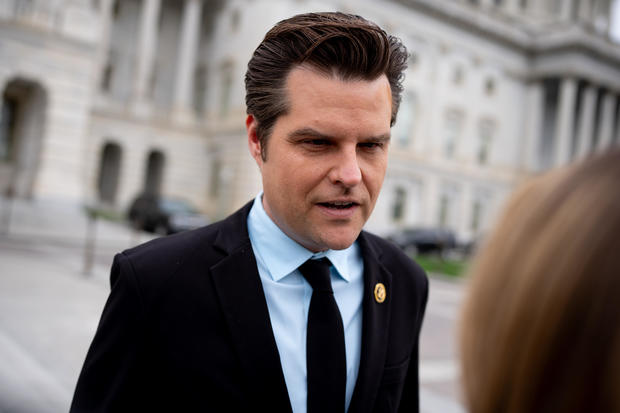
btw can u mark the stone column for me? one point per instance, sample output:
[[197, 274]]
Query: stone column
[[147, 43], [584, 12], [564, 121], [534, 122], [586, 121], [606, 128], [188, 47], [566, 9]]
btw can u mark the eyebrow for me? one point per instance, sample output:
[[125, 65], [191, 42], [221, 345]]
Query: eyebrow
[[313, 133]]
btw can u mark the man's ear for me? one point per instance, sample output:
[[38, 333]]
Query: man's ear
[[253, 142]]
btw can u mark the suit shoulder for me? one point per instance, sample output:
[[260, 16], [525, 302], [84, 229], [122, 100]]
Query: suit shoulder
[[181, 258], [164, 250], [153, 263]]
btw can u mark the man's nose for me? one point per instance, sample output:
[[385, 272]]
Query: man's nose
[[346, 169]]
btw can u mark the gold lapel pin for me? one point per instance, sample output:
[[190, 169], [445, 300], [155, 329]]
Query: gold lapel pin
[[380, 293]]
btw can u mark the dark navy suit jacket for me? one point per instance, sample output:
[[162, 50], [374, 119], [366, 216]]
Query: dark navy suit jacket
[[186, 328]]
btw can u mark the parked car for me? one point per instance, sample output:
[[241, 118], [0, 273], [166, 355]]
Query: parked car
[[164, 215], [424, 240]]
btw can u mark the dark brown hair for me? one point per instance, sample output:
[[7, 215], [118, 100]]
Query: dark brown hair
[[344, 45], [541, 324]]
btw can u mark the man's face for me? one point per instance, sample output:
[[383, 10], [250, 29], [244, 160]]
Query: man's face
[[326, 158]]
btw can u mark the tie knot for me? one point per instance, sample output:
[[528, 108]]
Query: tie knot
[[316, 272]]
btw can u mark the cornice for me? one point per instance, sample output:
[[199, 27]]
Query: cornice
[[526, 37]]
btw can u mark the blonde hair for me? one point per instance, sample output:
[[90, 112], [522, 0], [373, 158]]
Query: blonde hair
[[541, 324]]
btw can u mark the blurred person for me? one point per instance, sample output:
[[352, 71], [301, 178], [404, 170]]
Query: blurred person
[[286, 305], [541, 323]]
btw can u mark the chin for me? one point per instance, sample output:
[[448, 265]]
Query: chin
[[340, 243]]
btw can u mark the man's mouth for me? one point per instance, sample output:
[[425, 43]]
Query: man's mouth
[[338, 205]]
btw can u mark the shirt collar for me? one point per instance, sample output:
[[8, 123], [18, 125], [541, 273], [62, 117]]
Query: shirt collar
[[281, 254]]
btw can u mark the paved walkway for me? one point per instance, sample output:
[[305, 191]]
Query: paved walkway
[[50, 299], [50, 307], [439, 370]]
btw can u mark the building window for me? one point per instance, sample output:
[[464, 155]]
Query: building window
[[482, 199], [154, 172], [452, 131], [448, 205], [106, 77], [476, 215], [235, 19], [458, 75], [215, 179], [398, 208], [406, 119], [7, 127], [444, 211], [485, 138], [226, 89], [489, 86], [109, 172], [116, 9], [152, 81], [200, 89]]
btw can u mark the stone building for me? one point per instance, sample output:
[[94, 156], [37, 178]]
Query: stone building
[[104, 99]]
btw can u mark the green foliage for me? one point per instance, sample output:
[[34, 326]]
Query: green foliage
[[107, 214], [436, 264]]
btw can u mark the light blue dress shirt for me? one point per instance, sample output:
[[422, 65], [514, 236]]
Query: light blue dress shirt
[[288, 299]]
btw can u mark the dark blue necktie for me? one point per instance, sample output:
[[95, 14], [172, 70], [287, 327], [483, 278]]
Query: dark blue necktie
[[326, 362]]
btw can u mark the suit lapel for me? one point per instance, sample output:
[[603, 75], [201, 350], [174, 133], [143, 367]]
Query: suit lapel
[[375, 325], [242, 299]]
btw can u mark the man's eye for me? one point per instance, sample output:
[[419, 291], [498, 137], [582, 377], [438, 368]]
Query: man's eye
[[316, 142], [371, 145]]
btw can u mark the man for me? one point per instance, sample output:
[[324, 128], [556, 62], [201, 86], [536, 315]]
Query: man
[[231, 317]]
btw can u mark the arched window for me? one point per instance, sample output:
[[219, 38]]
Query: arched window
[[7, 127], [109, 172], [154, 173], [22, 121]]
